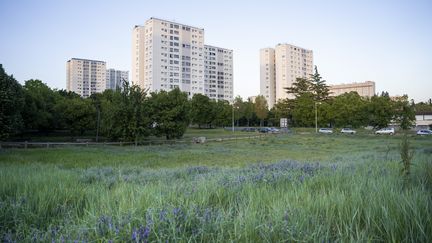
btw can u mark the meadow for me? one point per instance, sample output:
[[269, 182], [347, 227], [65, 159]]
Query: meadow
[[282, 188]]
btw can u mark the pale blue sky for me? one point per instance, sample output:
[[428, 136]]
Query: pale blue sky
[[353, 41]]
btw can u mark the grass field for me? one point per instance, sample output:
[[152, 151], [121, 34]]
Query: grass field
[[295, 187]]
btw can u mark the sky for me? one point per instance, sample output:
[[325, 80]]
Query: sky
[[388, 42]]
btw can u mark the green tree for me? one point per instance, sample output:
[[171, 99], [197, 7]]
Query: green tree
[[380, 110], [202, 110], [125, 113], [238, 109], [300, 87], [11, 105], [303, 113], [318, 87], [78, 114], [169, 113], [404, 112], [248, 108], [223, 113], [261, 108], [39, 113], [349, 109]]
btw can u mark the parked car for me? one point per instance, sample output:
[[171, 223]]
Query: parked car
[[325, 130], [264, 130], [386, 130], [273, 130], [424, 132], [348, 131], [248, 129]]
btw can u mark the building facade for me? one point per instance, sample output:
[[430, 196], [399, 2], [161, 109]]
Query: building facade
[[218, 73], [280, 67], [85, 77], [364, 89], [114, 78], [167, 55]]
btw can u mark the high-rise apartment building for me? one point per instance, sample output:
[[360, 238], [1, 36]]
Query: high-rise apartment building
[[166, 55], [114, 78], [218, 73], [280, 67], [364, 89], [85, 77]]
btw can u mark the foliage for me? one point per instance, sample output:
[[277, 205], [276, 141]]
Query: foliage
[[125, 113], [39, 113], [380, 111], [406, 155], [202, 110], [11, 105], [349, 109], [404, 112], [78, 114], [223, 113], [169, 113], [318, 87], [261, 108]]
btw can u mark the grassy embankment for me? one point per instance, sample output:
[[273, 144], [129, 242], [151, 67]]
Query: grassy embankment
[[282, 188]]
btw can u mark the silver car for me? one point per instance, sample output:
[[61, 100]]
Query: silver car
[[424, 132], [325, 130], [387, 130], [348, 131]]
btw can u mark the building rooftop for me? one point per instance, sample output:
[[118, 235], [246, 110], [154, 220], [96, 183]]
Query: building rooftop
[[172, 22], [83, 59]]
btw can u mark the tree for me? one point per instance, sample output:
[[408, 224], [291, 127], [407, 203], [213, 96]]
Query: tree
[[349, 109], [202, 110], [380, 111], [238, 109], [404, 112], [40, 100], [248, 110], [169, 113], [261, 108], [304, 110], [318, 87], [299, 87], [11, 105], [78, 114], [223, 112], [125, 113]]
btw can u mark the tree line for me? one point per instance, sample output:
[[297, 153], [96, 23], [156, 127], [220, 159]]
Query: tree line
[[131, 113]]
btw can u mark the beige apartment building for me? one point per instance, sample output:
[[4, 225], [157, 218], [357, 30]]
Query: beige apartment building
[[167, 55], [280, 67], [364, 89], [218, 73], [114, 78], [85, 77]]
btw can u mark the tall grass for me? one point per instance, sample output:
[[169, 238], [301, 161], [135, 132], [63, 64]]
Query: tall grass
[[353, 196]]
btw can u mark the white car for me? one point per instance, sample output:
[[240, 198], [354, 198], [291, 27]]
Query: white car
[[348, 131], [424, 132], [386, 130], [325, 130]]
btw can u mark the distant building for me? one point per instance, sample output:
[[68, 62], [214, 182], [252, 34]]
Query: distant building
[[85, 77], [252, 98], [365, 89], [168, 55], [114, 78], [280, 67], [423, 120]]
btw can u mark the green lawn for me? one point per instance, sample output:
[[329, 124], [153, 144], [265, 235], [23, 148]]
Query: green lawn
[[295, 187]]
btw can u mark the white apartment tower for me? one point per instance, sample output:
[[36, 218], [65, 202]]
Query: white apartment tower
[[114, 78], [85, 77], [280, 67], [166, 55], [218, 77]]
